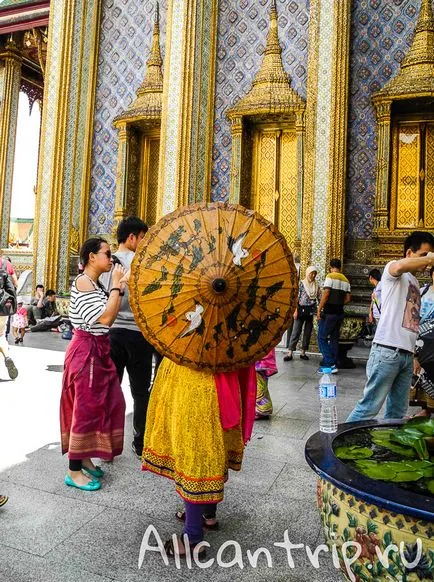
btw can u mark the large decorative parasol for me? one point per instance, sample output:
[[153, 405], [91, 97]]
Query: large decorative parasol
[[213, 286]]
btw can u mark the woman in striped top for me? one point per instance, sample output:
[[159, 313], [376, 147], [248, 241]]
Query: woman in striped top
[[92, 407]]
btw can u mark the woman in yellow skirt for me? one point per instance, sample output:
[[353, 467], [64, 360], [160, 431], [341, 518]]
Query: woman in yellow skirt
[[197, 426]]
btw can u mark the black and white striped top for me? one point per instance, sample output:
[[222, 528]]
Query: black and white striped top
[[86, 307]]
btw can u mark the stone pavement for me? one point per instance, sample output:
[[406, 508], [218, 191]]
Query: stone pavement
[[52, 533]]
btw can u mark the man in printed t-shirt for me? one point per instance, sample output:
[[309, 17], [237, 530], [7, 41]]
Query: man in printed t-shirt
[[330, 314], [390, 366]]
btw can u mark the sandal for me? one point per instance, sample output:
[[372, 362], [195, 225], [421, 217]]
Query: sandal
[[180, 516], [170, 550]]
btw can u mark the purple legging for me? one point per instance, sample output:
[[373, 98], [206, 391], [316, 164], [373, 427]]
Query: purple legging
[[194, 514]]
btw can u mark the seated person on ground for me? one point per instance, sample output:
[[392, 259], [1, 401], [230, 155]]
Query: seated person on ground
[[47, 310]]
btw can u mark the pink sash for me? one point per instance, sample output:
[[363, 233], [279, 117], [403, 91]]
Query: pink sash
[[233, 409]]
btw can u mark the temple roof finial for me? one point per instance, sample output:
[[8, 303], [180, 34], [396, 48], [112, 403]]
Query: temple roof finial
[[147, 105], [153, 78], [416, 76], [271, 90]]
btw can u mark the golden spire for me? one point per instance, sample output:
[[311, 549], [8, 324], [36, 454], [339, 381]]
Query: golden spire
[[153, 80], [416, 75], [271, 91], [272, 70], [147, 105]]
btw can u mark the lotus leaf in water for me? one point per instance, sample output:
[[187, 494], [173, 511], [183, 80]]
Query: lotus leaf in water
[[425, 425], [353, 452], [412, 438], [390, 454]]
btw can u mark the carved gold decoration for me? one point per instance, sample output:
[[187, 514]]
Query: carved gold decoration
[[74, 240], [429, 177], [273, 113], [407, 190], [10, 59], [338, 131], [309, 149], [139, 133], [148, 198], [397, 213]]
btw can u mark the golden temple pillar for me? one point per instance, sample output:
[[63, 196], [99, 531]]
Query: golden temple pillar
[[237, 139], [300, 131], [66, 138], [381, 210], [188, 103], [122, 173], [323, 220], [10, 83]]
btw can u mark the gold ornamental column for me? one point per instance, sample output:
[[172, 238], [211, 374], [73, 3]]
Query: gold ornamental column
[[326, 127], [381, 210], [188, 103], [300, 130], [10, 82], [122, 173], [66, 138]]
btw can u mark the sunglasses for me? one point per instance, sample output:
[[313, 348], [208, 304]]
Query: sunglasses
[[108, 254]]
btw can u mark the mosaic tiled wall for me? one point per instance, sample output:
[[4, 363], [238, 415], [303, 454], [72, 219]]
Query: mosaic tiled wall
[[380, 36], [126, 36], [242, 32]]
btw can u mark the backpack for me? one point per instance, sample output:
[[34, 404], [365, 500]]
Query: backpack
[[8, 294]]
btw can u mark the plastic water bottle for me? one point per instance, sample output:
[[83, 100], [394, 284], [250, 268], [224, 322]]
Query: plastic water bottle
[[328, 419]]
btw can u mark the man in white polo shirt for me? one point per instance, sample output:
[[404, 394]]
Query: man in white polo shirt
[[390, 366]]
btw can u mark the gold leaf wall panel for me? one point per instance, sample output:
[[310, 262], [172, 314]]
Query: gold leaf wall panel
[[152, 193], [148, 197], [288, 205], [264, 172], [274, 184], [429, 176], [407, 210]]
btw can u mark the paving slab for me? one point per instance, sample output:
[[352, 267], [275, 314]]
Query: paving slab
[[35, 521], [20, 566]]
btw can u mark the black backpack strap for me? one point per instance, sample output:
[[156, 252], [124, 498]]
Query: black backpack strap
[[425, 289]]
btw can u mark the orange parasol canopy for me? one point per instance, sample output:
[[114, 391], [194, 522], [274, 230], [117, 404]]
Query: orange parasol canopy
[[213, 286]]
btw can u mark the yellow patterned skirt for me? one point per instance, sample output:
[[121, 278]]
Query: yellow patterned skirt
[[184, 439]]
